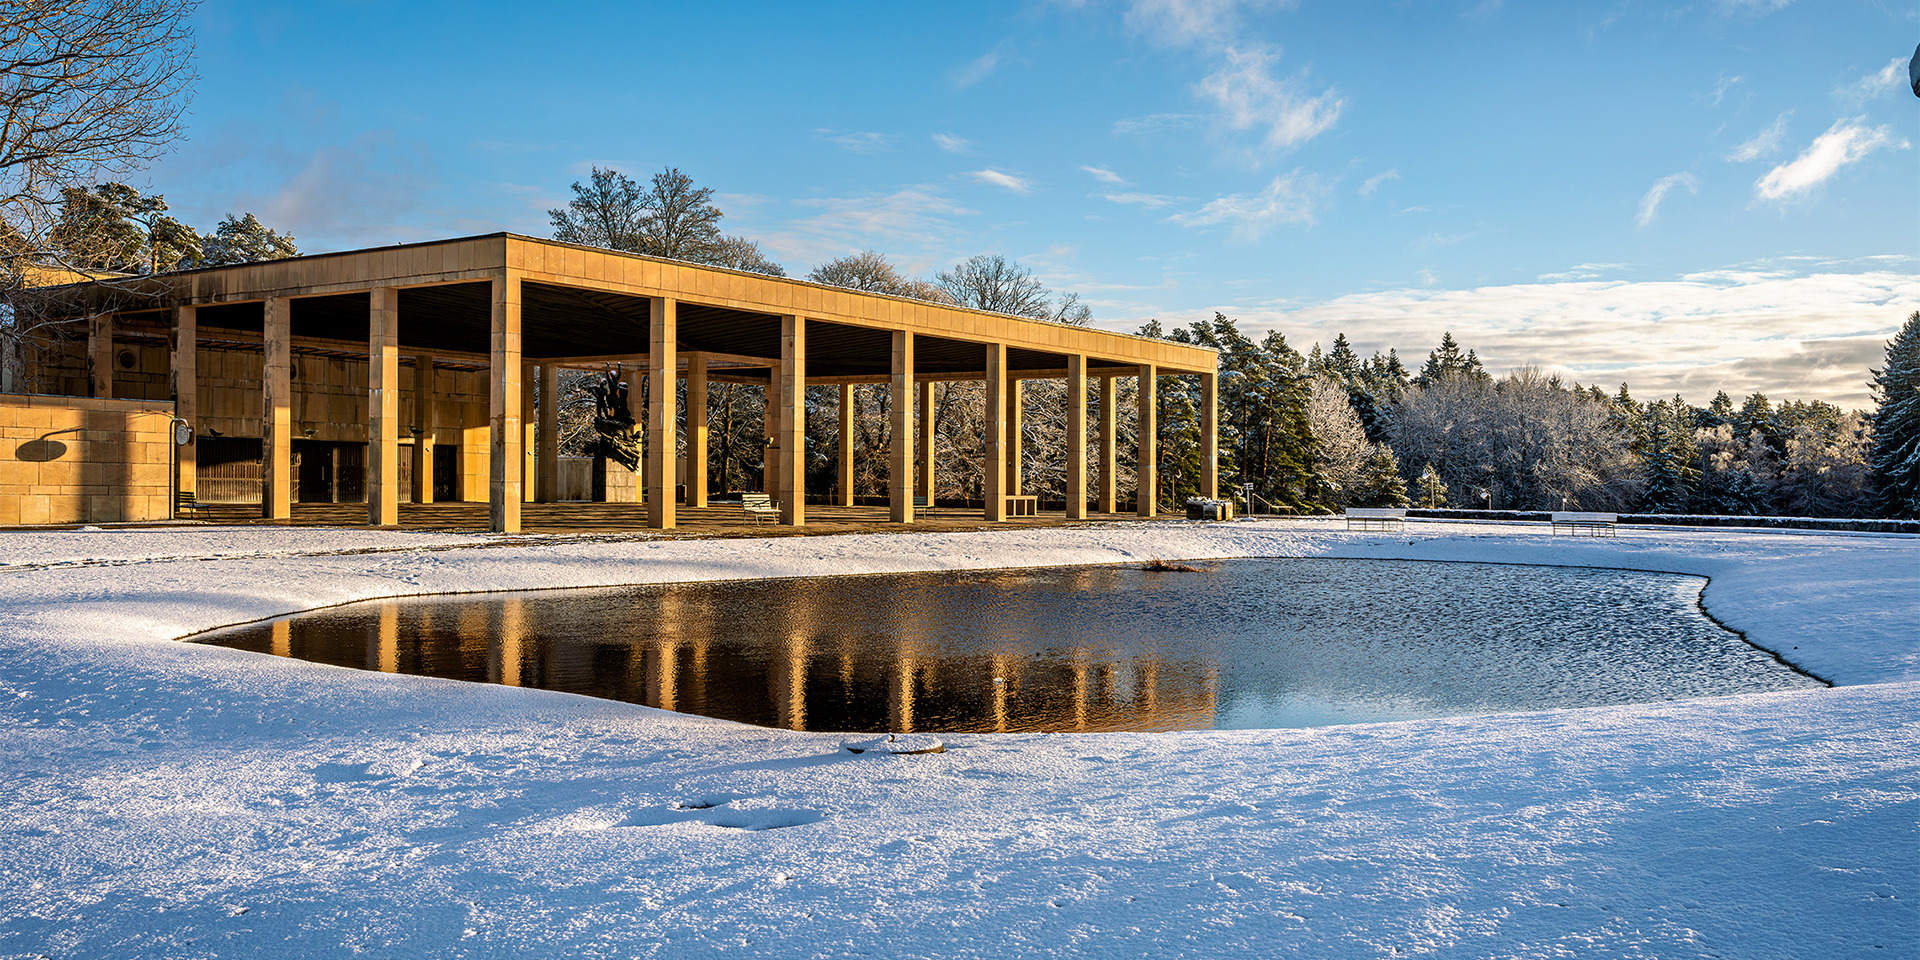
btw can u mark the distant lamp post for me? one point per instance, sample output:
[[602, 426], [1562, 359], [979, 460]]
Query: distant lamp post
[[1486, 496]]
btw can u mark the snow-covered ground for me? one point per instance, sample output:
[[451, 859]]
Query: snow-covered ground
[[160, 799]]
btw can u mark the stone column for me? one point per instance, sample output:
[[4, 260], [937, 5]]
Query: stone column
[[770, 417], [423, 427], [1210, 435], [925, 447], [276, 415], [994, 471], [697, 430], [1146, 469], [503, 408], [529, 435], [100, 355], [383, 407], [184, 363], [1016, 414], [1109, 446], [900, 469], [663, 420], [846, 445], [547, 478], [1077, 436], [793, 421]]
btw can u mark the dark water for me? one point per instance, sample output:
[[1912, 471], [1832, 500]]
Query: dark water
[[1250, 644]]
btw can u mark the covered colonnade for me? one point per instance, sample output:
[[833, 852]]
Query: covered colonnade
[[517, 310]]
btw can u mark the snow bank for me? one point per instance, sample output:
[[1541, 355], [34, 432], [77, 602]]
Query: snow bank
[[159, 798]]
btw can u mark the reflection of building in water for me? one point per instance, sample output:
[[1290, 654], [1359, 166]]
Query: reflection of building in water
[[794, 666]]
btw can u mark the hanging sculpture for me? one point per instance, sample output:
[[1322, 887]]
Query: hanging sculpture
[[613, 420]]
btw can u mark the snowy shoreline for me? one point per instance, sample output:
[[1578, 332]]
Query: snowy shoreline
[[167, 798]]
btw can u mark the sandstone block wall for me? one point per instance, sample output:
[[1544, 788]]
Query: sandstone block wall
[[79, 460]]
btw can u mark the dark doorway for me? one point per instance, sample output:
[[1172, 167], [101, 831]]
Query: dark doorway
[[326, 472], [446, 473]]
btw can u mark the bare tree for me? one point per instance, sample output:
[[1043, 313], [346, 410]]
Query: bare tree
[[1341, 449], [87, 87], [874, 273], [992, 282]]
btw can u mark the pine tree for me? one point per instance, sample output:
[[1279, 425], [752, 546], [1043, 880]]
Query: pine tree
[[1756, 416], [1720, 411], [1669, 454], [1380, 482], [1447, 362], [1896, 426]]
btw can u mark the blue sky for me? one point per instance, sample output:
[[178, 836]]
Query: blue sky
[[1684, 196]]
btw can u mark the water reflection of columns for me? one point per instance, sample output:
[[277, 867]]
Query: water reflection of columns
[[388, 651], [503, 652], [1002, 668], [1079, 688], [900, 689], [282, 642], [789, 682], [663, 679]]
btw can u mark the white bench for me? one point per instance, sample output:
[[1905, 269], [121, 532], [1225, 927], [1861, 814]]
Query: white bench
[[760, 507], [1590, 524], [1376, 518]]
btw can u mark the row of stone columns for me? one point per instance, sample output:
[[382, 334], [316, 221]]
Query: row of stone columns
[[512, 410]]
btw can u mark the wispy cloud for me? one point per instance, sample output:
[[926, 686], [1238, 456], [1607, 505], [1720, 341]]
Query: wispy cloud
[[1154, 123], [1252, 98], [1751, 7], [1722, 88], [911, 219], [1650, 204], [979, 68], [1846, 142], [1290, 198], [951, 143], [1583, 271], [1373, 183], [864, 142], [1885, 80], [1001, 179], [1151, 201], [1104, 175], [1764, 143]]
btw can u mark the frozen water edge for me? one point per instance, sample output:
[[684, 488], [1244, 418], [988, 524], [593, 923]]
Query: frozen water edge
[[163, 798]]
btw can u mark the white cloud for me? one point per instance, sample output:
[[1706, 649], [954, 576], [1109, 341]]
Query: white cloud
[[1721, 88], [1153, 123], [1650, 204], [1148, 200], [1251, 98], [1584, 271], [1104, 175], [1889, 78], [978, 69], [1290, 198], [1373, 183], [952, 144], [1764, 143], [1754, 7], [1794, 331], [1004, 180], [910, 219], [857, 142], [1185, 22], [1846, 142]]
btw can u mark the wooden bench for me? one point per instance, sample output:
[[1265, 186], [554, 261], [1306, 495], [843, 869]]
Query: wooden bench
[[1590, 524], [1023, 506], [920, 503], [1376, 518], [761, 507], [184, 502]]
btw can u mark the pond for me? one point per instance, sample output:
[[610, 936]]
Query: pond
[[1246, 644]]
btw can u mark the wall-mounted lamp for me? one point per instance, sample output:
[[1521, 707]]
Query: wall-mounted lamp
[[308, 432]]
